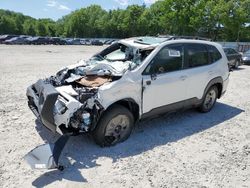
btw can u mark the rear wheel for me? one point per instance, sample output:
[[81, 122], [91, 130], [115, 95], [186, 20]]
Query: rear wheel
[[237, 63], [115, 126], [209, 99]]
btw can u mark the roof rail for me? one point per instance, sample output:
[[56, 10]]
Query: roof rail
[[189, 37]]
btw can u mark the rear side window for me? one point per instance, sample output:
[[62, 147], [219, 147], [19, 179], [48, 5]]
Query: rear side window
[[196, 55], [214, 54], [232, 51]]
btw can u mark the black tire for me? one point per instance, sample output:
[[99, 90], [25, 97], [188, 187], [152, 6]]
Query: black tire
[[107, 131], [208, 104], [237, 63]]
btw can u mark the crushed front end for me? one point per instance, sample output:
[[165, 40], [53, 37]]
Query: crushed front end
[[69, 102], [64, 109]]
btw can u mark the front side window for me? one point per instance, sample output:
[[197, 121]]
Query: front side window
[[168, 59], [196, 55]]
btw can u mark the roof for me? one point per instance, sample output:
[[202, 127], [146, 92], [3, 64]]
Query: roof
[[145, 42], [149, 42]]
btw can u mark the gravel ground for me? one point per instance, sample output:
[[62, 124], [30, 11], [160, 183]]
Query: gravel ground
[[185, 149]]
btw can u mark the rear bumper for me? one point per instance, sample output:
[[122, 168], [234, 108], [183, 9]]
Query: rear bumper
[[41, 100]]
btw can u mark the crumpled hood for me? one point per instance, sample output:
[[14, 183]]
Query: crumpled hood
[[104, 67]]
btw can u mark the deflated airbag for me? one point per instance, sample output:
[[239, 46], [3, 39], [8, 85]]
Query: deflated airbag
[[94, 81]]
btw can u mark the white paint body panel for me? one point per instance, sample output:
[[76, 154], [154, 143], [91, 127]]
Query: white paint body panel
[[165, 89], [168, 88]]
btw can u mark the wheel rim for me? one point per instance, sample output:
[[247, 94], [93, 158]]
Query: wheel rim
[[210, 99], [117, 129]]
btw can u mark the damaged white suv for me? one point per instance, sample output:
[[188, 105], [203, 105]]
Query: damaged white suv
[[130, 80]]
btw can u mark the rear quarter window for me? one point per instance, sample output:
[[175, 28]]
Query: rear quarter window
[[214, 53]]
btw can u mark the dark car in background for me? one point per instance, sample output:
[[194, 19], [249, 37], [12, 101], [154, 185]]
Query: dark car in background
[[57, 41], [38, 40], [6, 37], [71, 41], [17, 40], [234, 57], [96, 42], [246, 58]]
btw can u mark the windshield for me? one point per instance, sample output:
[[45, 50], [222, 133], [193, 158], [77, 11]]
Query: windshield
[[122, 53]]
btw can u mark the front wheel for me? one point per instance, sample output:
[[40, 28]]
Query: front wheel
[[114, 126], [209, 99]]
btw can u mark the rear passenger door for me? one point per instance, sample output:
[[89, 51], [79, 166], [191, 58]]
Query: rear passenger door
[[199, 69]]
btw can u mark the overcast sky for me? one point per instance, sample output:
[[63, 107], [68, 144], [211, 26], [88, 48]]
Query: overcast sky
[[57, 8]]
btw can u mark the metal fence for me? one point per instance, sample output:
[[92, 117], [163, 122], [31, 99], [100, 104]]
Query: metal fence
[[239, 46]]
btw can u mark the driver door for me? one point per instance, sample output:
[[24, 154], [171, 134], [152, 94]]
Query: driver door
[[164, 80]]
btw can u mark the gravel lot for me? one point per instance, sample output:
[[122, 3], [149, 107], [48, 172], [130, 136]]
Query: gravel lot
[[186, 149]]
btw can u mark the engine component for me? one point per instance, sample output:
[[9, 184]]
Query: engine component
[[86, 118], [81, 120]]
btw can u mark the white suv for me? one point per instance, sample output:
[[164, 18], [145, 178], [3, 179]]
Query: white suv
[[130, 80]]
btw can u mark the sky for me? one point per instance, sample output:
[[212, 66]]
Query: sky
[[55, 9]]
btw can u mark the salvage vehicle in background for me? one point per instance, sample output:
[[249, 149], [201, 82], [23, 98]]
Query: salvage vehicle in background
[[246, 58], [234, 57], [130, 80]]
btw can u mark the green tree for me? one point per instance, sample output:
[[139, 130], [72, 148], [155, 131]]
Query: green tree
[[7, 25], [41, 29]]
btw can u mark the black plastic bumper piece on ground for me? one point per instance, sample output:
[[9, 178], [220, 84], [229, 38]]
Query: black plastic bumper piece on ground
[[58, 148]]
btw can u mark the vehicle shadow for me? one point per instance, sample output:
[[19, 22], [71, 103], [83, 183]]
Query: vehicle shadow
[[238, 69], [146, 136]]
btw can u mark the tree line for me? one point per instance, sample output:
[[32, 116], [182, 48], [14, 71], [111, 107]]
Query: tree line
[[227, 20]]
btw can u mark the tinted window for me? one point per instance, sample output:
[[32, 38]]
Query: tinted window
[[197, 55], [214, 54], [168, 59], [226, 50], [232, 51]]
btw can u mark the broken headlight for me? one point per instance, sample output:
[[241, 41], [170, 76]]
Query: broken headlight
[[60, 107]]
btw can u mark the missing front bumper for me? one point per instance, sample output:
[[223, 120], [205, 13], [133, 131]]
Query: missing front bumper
[[47, 156]]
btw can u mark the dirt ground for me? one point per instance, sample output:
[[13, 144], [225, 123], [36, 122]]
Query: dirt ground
[[185, 149]]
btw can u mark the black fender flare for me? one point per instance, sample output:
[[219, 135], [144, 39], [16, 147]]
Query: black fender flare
[[126, 102], [216, 80]]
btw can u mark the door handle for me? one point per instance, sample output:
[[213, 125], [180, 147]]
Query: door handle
[[183, 77], [148, 82]]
